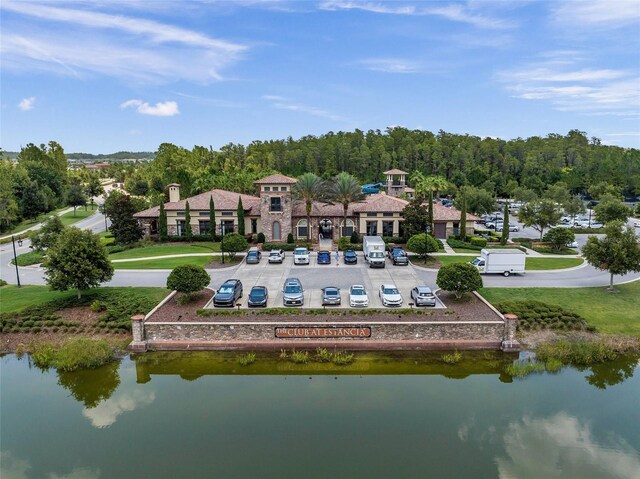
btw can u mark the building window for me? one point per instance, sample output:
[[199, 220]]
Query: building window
[[254, 225], [347, 228], [180, 213], [302, 229], [277, 235], [387, 228], [227, 227], [372, 228], [181, 225], [283, 188], [204, 227], [203, 213], [372, 214], [226, 213], [387, 214], [276, 203], [267, 188]]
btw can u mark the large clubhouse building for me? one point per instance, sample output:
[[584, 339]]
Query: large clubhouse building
[[275, 212]]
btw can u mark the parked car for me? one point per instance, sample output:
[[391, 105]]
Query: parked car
[[423, 296], [228, 293], [324, 257], [572, 244], [253, 256], [490, 224], [389, 295], [358, 296], [398, 256], [301, 256], [350, 257], [512, 228], [276, 256], [331, 296], [292, 292], [258, 297]]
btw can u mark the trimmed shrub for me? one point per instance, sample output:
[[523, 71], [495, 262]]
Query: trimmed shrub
[[260, 238], [290, 239], [478, 241], [355, 237], [459, 278], [188, 279], [344, 243]]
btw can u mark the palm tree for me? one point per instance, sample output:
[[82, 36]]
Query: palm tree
[[426, 187], [345, 189], [309, 188]]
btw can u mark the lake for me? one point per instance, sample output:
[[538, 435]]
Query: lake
[[402, 415]]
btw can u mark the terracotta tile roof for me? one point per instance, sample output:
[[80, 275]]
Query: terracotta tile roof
[[442, 213], [395, 171], [381, 203], [276, 179], [224, 200]]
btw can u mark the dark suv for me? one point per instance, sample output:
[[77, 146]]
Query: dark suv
[[398, 256], [228, 293], [350, 257]]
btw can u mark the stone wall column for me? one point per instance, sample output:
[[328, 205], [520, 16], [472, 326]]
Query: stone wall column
[[509, 342], [137, 330]]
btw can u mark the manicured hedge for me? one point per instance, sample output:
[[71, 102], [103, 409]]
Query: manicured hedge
[[538, 315]]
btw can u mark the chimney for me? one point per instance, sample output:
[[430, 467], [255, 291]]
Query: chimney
[[174, 192]]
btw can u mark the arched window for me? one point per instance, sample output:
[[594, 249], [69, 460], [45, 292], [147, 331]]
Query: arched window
[[302, 229], [277, 235], [347, 228]]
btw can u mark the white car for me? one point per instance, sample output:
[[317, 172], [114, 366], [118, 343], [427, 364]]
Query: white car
[[572, 244], [358, 296], [512, 228], [276, 256], [301, 256], [389, 295]]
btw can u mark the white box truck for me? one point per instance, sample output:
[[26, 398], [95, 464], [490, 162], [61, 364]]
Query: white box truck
[[373, 250], [502, 261]]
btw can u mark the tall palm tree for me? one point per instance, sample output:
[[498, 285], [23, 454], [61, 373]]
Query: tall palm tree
[[309, 188], [426, 187], [345, 189]]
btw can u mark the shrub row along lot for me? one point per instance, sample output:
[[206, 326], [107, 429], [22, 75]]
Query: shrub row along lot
[[314, 277]]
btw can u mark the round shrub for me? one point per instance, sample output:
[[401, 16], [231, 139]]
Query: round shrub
[[459, 278], [188, 279], [260, 238], [478, 241]]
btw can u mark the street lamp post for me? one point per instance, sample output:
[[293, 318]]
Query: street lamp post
[[15, 257], [222, 239]]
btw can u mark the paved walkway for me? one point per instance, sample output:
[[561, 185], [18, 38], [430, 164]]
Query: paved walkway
[[447, 248], [325, 244]]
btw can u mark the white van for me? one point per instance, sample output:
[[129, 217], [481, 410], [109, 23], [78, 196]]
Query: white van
[[301, 256]]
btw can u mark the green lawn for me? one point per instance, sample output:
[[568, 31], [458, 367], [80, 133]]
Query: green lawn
[[14, 299], [610, 313], [27, 259], [69, 218], [167, 249], [166, 263]]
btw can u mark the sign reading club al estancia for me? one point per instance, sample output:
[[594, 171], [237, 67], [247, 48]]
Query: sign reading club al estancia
[[302, 332]]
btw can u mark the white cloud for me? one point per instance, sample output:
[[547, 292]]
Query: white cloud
[[282, 103], [78, 473], [106, 413], [27, 104], [114, 45], [391, 65], [162, 108], [454, 12], [597, 13], [568, 87], [561, 446]]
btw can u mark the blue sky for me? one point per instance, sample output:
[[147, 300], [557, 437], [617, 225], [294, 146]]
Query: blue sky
[[101, 76]]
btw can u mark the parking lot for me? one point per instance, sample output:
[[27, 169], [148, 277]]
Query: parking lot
[[314, 277]]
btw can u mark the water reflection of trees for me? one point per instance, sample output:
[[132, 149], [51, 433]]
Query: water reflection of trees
[[613, 372], [91, 386]]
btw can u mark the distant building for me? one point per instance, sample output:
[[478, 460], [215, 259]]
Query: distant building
[[275, 213]]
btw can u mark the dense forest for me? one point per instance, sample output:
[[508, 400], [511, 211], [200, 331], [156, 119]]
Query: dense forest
[[492, 164], [118, 155]]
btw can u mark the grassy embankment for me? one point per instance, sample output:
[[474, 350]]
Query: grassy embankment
[[610, 313], [164, 250], [532, 264]]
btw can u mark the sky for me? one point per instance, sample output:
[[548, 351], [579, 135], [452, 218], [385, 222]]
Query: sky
[[103, 76]]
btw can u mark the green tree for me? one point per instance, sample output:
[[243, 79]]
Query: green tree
[[212, 219], [426, 187], [233, 243], [540, 214], [459, 278], [309, 188], [559, 237], [33, 201], [162, 224], [611, 208], [505, 225], [48, 234], [240, 217], [124, 226], [559, 193], [188, 232], [422, 244], [344, 189], [188, 279], [78, 260], [574, 207], [601, 189], [524, 195], [76, 196], [415, 219], [463, 214], [93, 187], [618, 252], [477, 200]]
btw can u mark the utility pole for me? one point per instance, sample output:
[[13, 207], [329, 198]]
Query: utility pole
[[222, 239], [15, 257]]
